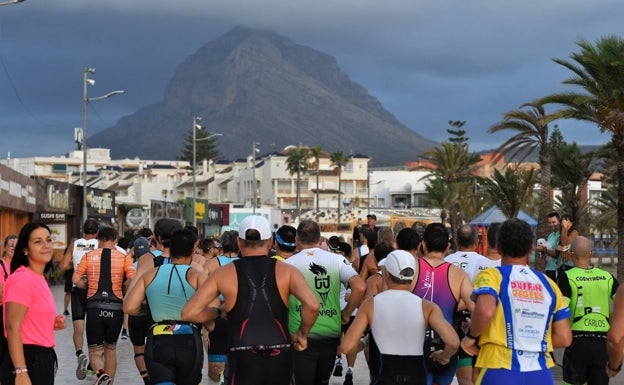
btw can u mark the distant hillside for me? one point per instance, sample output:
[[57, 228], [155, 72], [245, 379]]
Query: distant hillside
[[254, 85]]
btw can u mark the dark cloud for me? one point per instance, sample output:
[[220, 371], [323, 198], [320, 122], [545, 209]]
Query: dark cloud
[[426, 61]]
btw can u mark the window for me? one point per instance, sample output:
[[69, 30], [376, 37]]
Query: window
[[283, 187]]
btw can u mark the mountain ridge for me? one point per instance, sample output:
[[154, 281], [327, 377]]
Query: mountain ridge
[[252, 85]]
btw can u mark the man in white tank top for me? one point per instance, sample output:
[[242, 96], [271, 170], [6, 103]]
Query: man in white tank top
[[396, 316]]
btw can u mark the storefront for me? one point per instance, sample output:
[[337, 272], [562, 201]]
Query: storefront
[[17, 201]]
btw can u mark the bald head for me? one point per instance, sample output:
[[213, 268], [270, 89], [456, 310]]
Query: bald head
[[581, 248]]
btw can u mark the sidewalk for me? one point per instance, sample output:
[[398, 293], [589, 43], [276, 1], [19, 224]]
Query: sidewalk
[[127, 373]]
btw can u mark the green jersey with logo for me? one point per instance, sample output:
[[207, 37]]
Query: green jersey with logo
[[324, 272], [590, 292]]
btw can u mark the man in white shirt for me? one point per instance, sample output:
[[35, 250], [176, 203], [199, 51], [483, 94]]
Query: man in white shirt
[[472, 263]]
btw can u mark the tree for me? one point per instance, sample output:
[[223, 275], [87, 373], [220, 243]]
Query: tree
[[598, 70], [510, 191], [205, 148], [530, 124], [455, 166], [315, 154], [297, 163], [338, 161], [571, 172]]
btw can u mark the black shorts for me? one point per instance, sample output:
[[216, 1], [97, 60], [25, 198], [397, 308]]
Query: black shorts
[[251, 367], [315, 364], [219, 338], [175, 358], [68, 280], [584, 361], [138, 327], [103, 325], [40, 361], [78, 303]]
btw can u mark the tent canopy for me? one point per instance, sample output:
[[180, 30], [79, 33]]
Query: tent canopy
[[494, 214]]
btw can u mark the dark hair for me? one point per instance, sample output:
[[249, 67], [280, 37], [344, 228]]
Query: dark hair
[[407, 239], [124, 243], [515, 238], [345, 248], [371, 237], [90, 226], [308, 232], [20, 258], [492, 234], [382, 250], [145, 233], [193, 229], [466, 236], [206, 244], [436, 237], [164, 228], [107, 234], [569, 217], [285, 238], [228, 240], [182, 243], [553, 214]]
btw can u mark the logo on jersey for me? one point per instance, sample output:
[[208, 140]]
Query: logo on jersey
[[321, 281]]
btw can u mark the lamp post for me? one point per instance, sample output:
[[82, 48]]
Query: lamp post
[[197, 126], [11, 2], [86, 99], [253, 170]]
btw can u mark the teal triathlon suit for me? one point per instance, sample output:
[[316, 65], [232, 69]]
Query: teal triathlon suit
[[324, 272], [218, 337], [139, 325], [590, 292], [174, 351], [260, 346]]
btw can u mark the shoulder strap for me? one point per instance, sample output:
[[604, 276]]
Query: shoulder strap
[[6, 273]]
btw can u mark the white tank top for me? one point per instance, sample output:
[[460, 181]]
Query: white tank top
[[397, 319]]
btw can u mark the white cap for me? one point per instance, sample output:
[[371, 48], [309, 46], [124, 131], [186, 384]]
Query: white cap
[[255, 222], [399, 260]]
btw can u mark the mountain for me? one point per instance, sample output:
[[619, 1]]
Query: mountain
[[256, 86]]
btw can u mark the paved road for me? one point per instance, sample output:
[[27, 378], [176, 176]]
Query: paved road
[[128, 375]]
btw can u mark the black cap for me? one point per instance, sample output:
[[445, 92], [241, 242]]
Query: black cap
[[372, 216]]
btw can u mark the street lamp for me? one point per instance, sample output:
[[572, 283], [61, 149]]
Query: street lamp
[[11, 2], [197, 126], [253, 168], [86, 100]]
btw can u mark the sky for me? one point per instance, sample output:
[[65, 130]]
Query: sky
[[427, 61]]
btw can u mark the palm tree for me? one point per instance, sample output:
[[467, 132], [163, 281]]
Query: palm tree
[[530, 124], [338, 161], [297, 163], [510, 191], [456, 166], [571, 172], [599, 72], [315, 154]]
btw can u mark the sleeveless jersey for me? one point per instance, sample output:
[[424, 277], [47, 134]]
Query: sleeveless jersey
[[323, 271], [590, 292], [470, 262], [433, 284], [259, 316], [81, 247], [519, 336], [168, 292]]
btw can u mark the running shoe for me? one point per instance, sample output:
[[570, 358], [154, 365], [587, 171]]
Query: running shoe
[[124, 334], [66, 312], [338, 368], [81, 370], [103, 379], [348, 378]]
